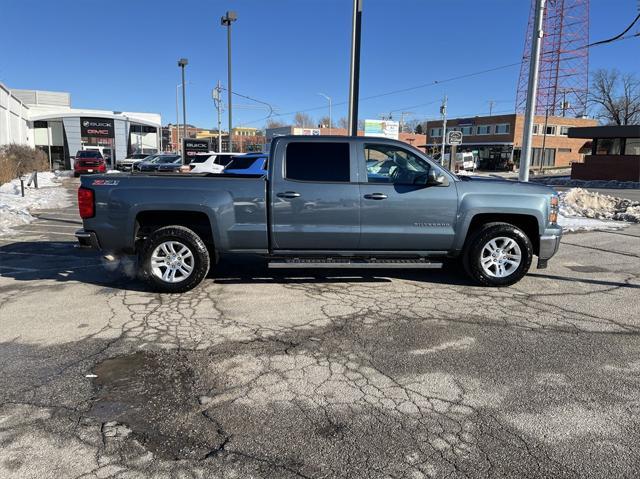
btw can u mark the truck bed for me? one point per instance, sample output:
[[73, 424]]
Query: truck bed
[[234, 206]]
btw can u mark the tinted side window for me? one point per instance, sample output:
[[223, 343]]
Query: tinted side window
[[317, 162]]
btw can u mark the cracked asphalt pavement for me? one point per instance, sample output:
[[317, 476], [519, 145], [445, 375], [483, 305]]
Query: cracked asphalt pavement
[[307, 374]]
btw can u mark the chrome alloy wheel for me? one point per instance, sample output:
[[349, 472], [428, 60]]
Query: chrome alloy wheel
[[500, 257], [172, 262]]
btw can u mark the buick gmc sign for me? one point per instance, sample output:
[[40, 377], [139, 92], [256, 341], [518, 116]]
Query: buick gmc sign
[[192, 147], [100, 127]]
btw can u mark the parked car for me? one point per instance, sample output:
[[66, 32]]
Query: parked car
[[88, 161], [129, 161], [317, 208], [249, 164], [155, 162], [210, 162], [171, 167]]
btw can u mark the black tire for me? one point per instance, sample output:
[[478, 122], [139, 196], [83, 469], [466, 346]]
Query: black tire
[[474, 247], [185, 236], [76, 175]]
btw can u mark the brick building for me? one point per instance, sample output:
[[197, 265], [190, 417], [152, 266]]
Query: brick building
[[413, 139], [497, 140]]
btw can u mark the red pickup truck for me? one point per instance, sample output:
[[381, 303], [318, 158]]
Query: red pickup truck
[[89, 161]]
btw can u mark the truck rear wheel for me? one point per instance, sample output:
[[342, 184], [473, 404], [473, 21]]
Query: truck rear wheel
[[498, 254], [174, 259]]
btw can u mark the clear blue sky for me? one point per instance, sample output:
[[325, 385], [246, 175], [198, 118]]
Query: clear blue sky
[[122, 54]]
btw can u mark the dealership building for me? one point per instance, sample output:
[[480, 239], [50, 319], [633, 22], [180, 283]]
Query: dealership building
[[45, 120]]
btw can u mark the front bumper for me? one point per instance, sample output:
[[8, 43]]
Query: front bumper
[[549, 244], [87, 239]]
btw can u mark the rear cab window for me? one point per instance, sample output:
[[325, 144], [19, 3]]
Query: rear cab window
[[318, 162]]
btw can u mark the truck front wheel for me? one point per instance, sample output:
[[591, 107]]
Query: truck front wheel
[[174, 259], [498, 254]]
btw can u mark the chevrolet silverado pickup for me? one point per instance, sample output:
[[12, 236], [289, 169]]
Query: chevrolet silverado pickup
[[326, 202]]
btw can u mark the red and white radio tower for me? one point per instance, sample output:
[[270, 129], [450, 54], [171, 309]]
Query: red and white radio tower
[[563, 83]]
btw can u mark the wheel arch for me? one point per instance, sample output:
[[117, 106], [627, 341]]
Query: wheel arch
[[528, 223]]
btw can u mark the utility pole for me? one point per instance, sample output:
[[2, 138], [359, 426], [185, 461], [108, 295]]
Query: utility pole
[[226, 21], [532, 91], [443, 112], [491, 103], [565, 103], [183, 62], [217, 100], [354, 83], [544, 137]]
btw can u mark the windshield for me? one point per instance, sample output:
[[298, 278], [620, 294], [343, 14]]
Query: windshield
[[89, 154], [241, 162], [166, 159]]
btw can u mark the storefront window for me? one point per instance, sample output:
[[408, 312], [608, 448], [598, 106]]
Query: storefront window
[[632, 147]]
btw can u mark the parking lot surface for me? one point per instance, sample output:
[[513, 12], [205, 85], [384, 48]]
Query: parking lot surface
[[307, 374]]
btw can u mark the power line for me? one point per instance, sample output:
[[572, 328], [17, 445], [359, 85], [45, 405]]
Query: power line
[[618, 37]]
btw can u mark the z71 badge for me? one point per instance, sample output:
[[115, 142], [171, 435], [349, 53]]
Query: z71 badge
[[105, 182]]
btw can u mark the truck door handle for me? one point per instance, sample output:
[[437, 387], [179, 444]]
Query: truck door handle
[[288, 194], [376, 196]]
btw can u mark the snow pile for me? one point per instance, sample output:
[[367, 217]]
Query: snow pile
[[585, 210], [567, 181], [15, 210]]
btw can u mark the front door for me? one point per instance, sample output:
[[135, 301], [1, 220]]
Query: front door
[[398, 211], [315, 197]]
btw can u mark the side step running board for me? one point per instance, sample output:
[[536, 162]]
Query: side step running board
[[303, 263]]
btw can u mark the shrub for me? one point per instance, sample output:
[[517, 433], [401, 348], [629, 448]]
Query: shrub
[[17, 160]]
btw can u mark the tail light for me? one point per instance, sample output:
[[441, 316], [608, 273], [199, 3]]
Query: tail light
[[553, 209], [86, 203]]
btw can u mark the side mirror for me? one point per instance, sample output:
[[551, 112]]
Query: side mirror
[[435, 178]]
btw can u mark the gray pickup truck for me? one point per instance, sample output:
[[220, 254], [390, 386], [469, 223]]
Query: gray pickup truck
[[327, 202]]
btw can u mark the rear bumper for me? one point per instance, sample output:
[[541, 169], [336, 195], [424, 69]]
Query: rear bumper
[[549, 243], [87, 239]]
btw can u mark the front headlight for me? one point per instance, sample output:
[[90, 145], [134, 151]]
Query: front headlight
[[554, 207]]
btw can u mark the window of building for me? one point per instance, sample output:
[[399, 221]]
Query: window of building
[[435, 132], [564, 150], [608, 146], [632, 147], [317, 161], [503, 129], [564, 130], [483, 130], [551, 130], [467, 130], [547, 159], [536, 129], [390, 164]]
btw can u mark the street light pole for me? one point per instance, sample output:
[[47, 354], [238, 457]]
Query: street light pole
[[177, 128], [532, 91], [226, 21], [329, 100], [183, 62], [354, 85]]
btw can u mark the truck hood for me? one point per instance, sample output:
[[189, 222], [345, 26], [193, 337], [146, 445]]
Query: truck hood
[[483, 184]]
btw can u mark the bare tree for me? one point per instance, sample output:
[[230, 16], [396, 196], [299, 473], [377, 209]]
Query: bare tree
[[617, 96], [343, 123], [324, 122], [303, 120], [271, 123]]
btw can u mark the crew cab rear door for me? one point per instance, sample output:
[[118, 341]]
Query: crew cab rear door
[[315, 196], [398, 212]]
